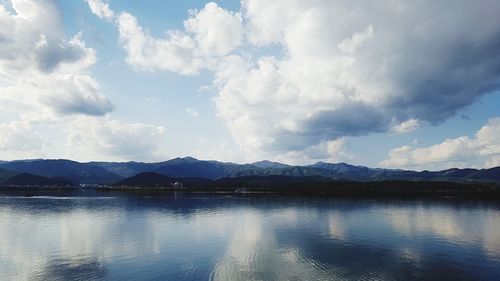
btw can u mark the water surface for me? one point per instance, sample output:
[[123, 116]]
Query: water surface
[[219, 237]]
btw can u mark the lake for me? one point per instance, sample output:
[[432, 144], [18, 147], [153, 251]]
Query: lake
[[107, 236]]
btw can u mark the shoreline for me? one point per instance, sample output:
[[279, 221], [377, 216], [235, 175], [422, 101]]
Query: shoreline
[[385, 189]]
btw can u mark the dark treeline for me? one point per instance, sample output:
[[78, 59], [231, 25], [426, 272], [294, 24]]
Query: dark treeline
[[322, 186]]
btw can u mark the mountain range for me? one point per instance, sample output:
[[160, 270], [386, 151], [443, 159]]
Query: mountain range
[[66, 171]]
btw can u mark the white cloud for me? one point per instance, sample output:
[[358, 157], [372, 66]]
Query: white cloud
[[191, 111], [22, 138], [494, 161], [39, 68], [76, 94], [64, 94], [349, 70], [459, 152], [32, 39], [488, 138], [265, 26], [216, 31], [84, 138], [19, 136], [46, 84], [450, 151], [100, 9], [329, 151], [406, 126], [175, 53], [216, 150], [91, 137], [294, 75], [209, 33], [351, 45]]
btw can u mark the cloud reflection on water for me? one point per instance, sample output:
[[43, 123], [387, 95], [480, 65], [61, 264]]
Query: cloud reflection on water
[[232, 239], [464, 227]]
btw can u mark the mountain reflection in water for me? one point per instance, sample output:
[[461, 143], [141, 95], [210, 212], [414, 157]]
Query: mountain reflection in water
[[216, 237]]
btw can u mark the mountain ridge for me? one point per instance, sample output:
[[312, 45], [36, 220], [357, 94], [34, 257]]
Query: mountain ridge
[[96, 172], [9, 178]]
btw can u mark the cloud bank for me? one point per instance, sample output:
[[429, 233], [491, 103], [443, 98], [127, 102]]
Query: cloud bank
[[209, 34], [39, 67], [293, 75], [46, 89], [482, 150], [115, 139]]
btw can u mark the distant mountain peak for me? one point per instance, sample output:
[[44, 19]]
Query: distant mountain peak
[[335, 164], [184, 159], [189, 158], [190, 167], [265, 164], [146, 179]]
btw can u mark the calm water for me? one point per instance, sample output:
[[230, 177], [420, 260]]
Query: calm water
[[208, 237]]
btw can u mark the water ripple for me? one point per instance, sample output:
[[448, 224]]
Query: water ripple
[[207, 237]]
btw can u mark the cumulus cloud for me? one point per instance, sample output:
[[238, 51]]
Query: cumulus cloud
[[64, 94], [217, 150], [21, 139], [351, 45], [484, 148], [114, 138], [494, 161], [41, 69], [216, 31], [45, 83], [82, 97], [174, 53], [333, 151], [81, 137], [100, 9], [19, 136], [350, 69], [30, 33], [406, 126], [293, 75], [209, 33]]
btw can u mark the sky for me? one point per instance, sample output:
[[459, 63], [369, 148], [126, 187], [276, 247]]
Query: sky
[[380, 83]]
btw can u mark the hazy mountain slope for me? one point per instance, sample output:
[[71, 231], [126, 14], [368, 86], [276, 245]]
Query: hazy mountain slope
[[188, 167], [351, 172], [78, 172], [269, 180], [4, 174], [23, 179], [178, 167], [125, 169], [146, 179], [485, 175], [191, 167], [265, 164]]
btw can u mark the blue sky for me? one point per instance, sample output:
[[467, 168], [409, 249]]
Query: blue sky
[[384, 84]]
